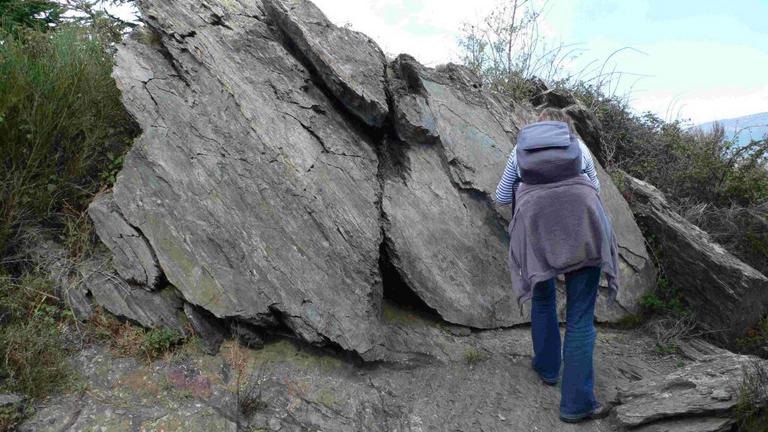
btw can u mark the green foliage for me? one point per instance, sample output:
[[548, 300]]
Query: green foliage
[[108, 175], [160, 340], [61, 122], [666, 300], [751, 412], [39, 15], [127, 339], [32, 352]]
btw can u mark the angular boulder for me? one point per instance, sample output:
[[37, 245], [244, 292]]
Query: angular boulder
[[132, 257], [728, 296], [349, 63], [255, 193]]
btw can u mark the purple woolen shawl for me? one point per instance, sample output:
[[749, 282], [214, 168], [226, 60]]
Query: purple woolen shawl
[[558, 228]]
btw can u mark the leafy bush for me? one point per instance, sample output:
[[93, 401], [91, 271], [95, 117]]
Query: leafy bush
[[16, 15], [60, 118]]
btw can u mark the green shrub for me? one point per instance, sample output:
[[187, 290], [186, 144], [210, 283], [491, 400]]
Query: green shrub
[[159, 341], [17, 15], [32, 352], [62, 122]]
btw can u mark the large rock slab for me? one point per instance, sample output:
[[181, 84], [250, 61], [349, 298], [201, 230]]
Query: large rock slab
[[349, 63], [447, 243], [132, 257], [726, 295], [708, 388], [256, 195], [637, 273]]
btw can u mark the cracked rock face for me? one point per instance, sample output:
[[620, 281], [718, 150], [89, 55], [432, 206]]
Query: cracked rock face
[[349, 63], [265, 199], [253, 190], [132, 257]]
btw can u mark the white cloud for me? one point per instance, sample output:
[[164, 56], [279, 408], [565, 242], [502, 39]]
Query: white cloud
[[705, 105], [427, 29]]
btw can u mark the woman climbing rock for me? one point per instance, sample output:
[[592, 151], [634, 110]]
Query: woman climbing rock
[[559, 226]]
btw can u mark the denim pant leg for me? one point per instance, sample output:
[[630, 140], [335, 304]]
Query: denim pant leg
[[545, 331], [577, 392]]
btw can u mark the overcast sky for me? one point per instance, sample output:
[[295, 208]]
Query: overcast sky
[[699, 60]]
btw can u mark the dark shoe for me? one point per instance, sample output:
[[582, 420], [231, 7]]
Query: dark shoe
[[601, 411], [546, 381]]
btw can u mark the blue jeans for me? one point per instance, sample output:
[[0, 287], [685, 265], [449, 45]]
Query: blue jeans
[[577, 397]]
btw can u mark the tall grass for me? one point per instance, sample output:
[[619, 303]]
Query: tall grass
[[61, 121], [32, 351]]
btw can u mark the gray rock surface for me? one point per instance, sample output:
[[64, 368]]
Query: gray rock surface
[[705, 389], [727, 295], [132, 256], [53, 259], [474, 381], [349, 63], [255, 193]]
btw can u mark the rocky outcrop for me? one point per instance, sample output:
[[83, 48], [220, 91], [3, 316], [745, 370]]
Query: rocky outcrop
[[272, 180], [727, 295]]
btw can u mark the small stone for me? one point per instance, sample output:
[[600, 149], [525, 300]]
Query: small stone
[[274, 424]]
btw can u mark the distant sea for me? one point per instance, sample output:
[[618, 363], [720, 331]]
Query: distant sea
[[754, 126]]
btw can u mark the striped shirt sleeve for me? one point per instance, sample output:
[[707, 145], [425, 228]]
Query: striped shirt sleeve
[[588, 165], [510, 180]]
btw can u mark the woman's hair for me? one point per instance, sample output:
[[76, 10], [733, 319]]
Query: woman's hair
[[555, 114]]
